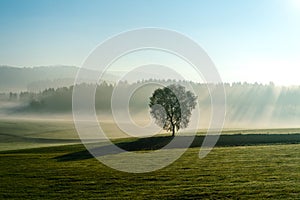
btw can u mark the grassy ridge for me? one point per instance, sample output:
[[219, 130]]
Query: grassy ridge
[[227, 172]]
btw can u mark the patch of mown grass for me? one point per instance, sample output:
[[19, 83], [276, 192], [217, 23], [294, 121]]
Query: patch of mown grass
[[226, 173]]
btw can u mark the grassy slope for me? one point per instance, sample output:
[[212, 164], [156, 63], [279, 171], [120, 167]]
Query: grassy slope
[[20, 134], [227, 172]]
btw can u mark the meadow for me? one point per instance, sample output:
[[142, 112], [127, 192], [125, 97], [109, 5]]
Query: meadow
[[50, 163]]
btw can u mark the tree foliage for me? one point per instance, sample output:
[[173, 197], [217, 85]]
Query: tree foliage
[[172, 107]]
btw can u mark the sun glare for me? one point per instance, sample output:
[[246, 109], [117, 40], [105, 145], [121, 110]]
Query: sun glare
[[296, 4]]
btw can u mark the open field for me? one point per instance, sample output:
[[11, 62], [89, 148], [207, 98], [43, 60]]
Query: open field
[[48, 163], [258, 172]]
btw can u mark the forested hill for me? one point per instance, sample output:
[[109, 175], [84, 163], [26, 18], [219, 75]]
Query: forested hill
[[16, 79]]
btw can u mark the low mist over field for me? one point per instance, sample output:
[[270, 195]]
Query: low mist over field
[[248, 105]]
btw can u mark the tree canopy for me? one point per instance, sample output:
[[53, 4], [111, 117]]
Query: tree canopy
[[172, 106]]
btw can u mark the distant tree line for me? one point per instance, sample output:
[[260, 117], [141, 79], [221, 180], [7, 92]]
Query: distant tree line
[[60, 99], [243, 99]]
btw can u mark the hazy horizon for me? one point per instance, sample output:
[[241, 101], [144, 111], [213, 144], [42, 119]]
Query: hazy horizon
[[118, 73]]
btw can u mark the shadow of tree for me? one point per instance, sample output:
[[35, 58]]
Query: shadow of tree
[[158, 142]]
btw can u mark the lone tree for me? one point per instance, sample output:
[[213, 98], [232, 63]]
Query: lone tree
[[172, 107]]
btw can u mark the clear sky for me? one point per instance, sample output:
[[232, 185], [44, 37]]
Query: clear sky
[[249, 40]]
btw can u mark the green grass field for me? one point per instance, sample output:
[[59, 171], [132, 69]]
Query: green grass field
[[255, 169], [271, 171]]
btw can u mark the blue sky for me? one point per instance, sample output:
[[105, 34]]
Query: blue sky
[[251, 40]]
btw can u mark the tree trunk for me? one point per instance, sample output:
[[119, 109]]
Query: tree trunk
[[173, 130]]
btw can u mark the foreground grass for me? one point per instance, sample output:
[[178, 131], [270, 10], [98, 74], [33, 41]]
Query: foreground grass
[[271, 171]]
